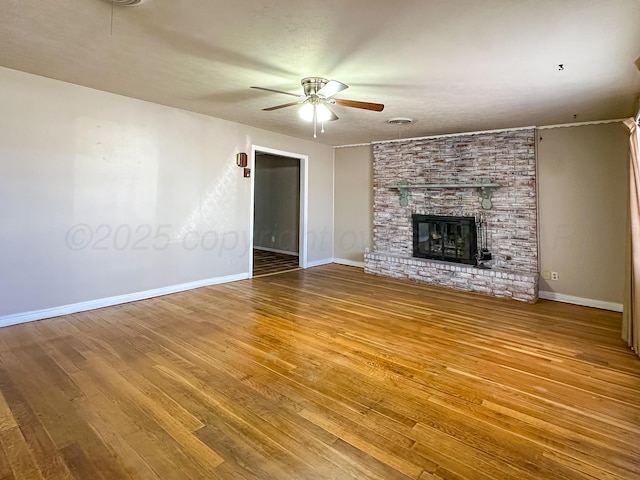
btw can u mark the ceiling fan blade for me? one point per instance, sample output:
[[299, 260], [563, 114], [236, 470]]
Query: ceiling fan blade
[[331, 88], [332, 117], [277, 91], [290, 104], [376, 107]]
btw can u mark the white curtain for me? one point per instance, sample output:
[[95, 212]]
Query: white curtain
[[631, 306]]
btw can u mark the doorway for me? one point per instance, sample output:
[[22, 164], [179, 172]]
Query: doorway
[[278, 236]]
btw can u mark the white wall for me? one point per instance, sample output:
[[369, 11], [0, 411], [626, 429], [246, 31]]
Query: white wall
[[103, 195]]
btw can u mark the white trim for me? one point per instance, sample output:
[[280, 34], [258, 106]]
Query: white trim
[[304, 210], [252, 202], [304, 200], [585, 302], [350, 263], [579, 124], [353, 145], [333, 202], [24, 317], [461, 134], [275, 250], [317, 263]]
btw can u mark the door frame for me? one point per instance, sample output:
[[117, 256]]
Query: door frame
[[304, 194]]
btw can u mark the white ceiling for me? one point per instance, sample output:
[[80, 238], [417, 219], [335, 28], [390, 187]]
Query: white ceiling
[[452, 65]]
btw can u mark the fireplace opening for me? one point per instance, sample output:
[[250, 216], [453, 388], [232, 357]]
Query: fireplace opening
[[451, 239]]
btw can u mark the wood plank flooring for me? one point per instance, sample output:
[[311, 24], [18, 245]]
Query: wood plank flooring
[[325, 373], [268, 263]]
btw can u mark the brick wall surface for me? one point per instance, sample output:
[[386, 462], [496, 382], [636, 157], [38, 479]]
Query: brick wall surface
[[508, 158]]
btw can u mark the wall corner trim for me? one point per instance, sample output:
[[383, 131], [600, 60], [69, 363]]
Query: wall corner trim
[[585, 302], [447, 135], [317, 263], [350, 263], [15, 319]]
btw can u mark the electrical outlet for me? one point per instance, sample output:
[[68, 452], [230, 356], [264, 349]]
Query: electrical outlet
[[229, 261], [273, 239], [366, 250], [554, 275], [546, 275]]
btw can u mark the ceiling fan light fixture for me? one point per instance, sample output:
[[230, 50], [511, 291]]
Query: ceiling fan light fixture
[[323, 114], [315, 109], [306, 112]]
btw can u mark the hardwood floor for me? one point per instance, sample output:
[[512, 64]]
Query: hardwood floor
[[268, 263], [325, 373]]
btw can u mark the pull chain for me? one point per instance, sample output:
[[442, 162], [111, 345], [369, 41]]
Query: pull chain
[[315, 122]]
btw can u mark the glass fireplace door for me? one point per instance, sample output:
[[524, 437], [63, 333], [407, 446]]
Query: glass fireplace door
[[451, 239]]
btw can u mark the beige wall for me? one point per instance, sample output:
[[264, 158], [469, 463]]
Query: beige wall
[[353, 216], [277, 203], [582, 196], [103, 195]]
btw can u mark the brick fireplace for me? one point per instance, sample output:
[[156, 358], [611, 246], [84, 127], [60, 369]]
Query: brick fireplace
[[461, 163]]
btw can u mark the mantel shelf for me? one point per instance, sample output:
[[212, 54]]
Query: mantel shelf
[[445, 185], [485, 185]]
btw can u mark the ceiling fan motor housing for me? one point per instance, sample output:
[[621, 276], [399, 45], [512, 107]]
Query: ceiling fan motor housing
[[312, 85]]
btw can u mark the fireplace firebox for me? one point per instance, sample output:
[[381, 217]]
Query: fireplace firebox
[[451, 239]]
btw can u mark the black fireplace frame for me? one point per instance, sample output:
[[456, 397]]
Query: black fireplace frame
[[445, 239]]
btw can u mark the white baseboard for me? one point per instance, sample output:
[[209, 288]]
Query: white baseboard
[[317, 263], [275, 250], [585, 302], [350, 263], [17, 318]]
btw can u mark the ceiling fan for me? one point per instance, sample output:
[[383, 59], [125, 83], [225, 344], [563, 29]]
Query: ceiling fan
[[318, 95]]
